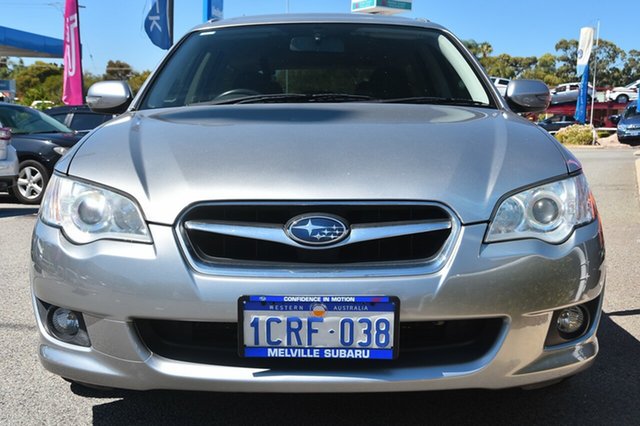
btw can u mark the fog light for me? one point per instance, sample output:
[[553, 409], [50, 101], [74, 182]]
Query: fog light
[[571, 320], [65, 322]]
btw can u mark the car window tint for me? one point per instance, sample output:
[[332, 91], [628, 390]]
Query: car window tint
[[87, 121], [630, 111], [356, 59], [24, 120], [59, 117]]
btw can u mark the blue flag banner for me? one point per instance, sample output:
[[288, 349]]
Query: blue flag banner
[[156, 24], [581, 105], [212, 9]]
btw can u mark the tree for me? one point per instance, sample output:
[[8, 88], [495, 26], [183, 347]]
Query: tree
[[118, 70], [545, 70], [137, 80], [39, 81], [610, 62], [473, 47], [567, 59], [631, 68], [88, 79]]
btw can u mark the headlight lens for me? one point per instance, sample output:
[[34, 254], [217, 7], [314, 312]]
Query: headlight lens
[[60, 150], [87, 213], [548, 212]]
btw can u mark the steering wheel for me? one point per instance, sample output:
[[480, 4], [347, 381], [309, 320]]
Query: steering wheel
[[236, 93]]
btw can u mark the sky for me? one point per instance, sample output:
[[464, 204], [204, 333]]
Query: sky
[[113, 29]]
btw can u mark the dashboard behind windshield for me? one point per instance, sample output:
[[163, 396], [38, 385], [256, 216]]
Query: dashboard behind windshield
[[374, 62]]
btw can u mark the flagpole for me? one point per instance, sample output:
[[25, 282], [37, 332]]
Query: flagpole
[[595, 71], [80, 61], [170, 23]]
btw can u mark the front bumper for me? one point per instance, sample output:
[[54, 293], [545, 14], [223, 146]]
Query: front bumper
[[629, 135], [112, 283]]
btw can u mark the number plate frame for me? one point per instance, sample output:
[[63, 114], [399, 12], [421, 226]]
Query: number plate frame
[[393, 300]]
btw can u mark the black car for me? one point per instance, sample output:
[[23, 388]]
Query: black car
[[78, 117], [557, 122], [39, 141]]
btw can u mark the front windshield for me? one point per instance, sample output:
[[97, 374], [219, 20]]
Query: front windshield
[[23, 120], [350, 62]]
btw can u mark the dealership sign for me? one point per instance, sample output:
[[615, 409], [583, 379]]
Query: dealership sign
[[381, 7]]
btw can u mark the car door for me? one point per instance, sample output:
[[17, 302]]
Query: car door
[[559, 94]]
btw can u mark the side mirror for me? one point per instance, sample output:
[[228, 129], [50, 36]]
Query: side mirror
[[109, 97], [615, 119], [528, 96]]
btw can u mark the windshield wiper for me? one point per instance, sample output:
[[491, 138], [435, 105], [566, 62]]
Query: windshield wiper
[[434, 100], [288, 97], [46, 131]]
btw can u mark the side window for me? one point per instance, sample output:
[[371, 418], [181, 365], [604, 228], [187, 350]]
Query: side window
[[83, 121], [561, 89], [575, 87], [60, 117]]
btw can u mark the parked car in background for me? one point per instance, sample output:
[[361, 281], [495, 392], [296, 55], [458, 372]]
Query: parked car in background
[[501, 84], [79, 117], [8, 160], [39, 141], [568, 92], [629, 124], [318, 203], [622, 95], [556, 122]]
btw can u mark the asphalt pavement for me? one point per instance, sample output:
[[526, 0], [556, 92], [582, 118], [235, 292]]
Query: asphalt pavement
[[608, 393]]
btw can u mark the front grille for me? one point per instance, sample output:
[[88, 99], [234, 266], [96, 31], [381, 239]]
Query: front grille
[[215, 248], [421, 344]]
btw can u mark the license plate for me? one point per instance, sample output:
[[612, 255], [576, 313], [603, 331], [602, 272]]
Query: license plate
[[342, 327], [634, 133]]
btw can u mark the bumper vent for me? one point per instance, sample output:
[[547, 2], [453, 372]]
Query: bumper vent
[[421, 343]]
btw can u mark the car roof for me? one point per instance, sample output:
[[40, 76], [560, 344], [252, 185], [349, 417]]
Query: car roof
[[347, 18]]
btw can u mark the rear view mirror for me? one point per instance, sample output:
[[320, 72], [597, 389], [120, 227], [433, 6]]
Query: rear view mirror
[[316, 44], [109, 97], [528, 96]]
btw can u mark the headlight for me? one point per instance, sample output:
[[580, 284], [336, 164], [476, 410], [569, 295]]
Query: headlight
[[548, 212], [87, 213], [60, 150]]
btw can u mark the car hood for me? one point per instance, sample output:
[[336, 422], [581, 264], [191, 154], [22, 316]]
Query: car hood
[[466, 158], [633, 120], [66, 140]]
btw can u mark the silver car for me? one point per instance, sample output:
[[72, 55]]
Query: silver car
[[318, 203]]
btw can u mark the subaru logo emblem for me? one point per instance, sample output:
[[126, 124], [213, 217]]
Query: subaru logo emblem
[[316, 229]]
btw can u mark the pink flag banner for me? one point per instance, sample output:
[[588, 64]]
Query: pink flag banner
[[72, 85]]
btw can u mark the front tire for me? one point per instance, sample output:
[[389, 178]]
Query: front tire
[[32, 179]]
